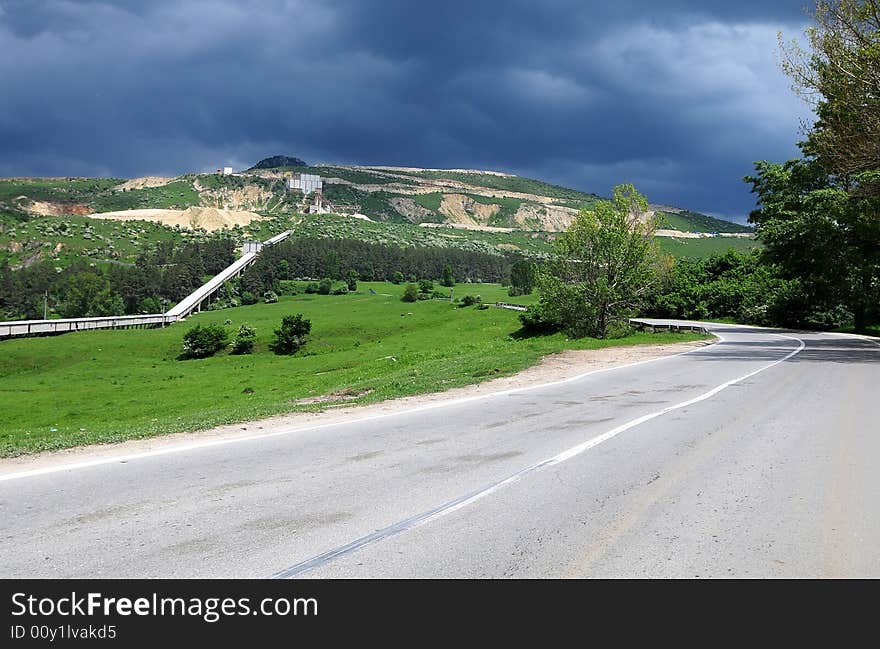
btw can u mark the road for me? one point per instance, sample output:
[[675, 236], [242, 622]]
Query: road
[[753, 457]]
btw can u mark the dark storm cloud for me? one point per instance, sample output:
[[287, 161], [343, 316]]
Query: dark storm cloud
[[676, 97]]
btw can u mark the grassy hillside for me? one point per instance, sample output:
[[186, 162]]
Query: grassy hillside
[[27, 235], [704, 246], [103, 386], [687, 221]]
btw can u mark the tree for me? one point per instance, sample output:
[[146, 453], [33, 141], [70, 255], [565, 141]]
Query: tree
[[602, 267], [203, 341], [88, 295], [397, 278], [522, 278], [244, 340], [821, 238], [351, 280], [291, 336], [426, 286], [325, 286], [447, 279], [410, 293], [840, 77]]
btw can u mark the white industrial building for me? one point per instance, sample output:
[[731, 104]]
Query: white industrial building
[[306, 183], [227, 171]]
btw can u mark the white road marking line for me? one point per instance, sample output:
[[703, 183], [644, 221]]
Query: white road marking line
[[464, 501], [247, 438]]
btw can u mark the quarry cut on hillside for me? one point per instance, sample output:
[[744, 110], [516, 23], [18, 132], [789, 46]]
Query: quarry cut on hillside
[[209, 219]]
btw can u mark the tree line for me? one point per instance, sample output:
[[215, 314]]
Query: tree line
[[336, 259], [154, 282]]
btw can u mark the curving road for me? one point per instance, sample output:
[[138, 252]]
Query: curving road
[[753, 457]]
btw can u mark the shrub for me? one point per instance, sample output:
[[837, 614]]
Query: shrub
[[244, 340], [248, 298], [397, 278], [536, 321], [470, 300], [204, 341], [340, 290], [426, 286], [448, 279], [270, 297], [312, 287], [351, 280], [150, 305], [410, 293], [287, 287], [325, 286], [291, 336]]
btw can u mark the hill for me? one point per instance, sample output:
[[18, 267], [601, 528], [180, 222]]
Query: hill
[[278, 161], [488, 211]]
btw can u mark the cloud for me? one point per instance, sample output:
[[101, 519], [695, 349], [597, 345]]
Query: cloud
[[676, 99]]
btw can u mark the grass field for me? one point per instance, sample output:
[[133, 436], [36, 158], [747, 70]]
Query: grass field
[[105, 386], [704, 246]]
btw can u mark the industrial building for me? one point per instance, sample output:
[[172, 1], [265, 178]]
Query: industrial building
[[306, 183]]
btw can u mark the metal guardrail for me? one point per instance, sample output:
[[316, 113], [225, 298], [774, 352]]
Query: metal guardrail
[[513, 307], [32, 327], [185, 307], [666, 326]]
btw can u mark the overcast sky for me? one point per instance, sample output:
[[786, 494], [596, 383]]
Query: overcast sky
[[677, 97]]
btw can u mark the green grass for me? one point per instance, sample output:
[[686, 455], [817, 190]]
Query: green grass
[[96, 240], [106, 386], [332, 226], [430, 201], [507, 183], [687, 221], [704, 246]]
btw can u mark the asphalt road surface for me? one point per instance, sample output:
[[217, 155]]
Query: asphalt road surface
[[754, 457]]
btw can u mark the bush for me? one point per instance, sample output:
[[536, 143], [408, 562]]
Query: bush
[[351, 280], [410, 293], [325, 286], [244, 340], [426, 286], [270, 297], [397, 278], [248, 298], [291, 336], [204, 341], [470, 300], [536, 321], [312, 287], [448, 279], [287, 287], [340, 290]]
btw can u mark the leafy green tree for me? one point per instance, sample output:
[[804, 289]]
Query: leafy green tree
[[203, 341], [821, 238], [840, 77], [87, 295], [602, 268], [397, 278], [325, 286], [244, 340], [351, 280], [522, 278], [426, 286], [410, 293], [291, 335], [447, 279]]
